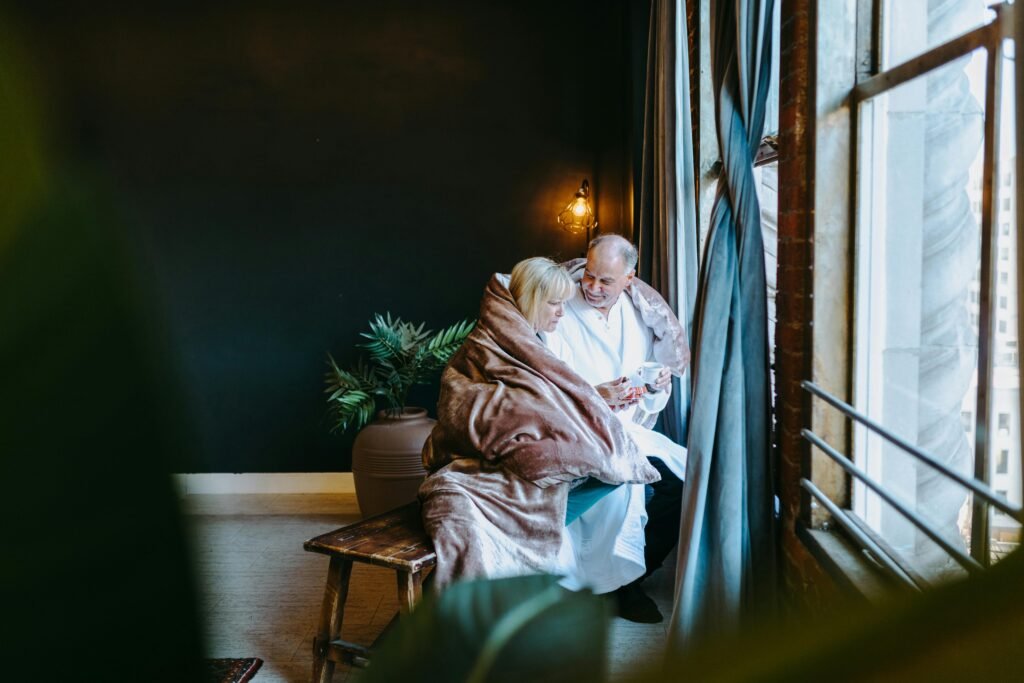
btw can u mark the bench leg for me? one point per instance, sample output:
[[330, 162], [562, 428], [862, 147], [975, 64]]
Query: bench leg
[[410, 590], [331, 614]]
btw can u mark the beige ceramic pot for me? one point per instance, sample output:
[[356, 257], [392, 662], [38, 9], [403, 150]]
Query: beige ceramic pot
[[386, 462]]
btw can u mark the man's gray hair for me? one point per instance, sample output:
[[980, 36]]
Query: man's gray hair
[[624, 247]]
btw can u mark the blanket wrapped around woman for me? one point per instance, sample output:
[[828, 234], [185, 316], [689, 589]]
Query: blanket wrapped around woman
[[515, 427]]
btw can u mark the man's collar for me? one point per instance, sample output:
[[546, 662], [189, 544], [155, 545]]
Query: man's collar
[[579, 302]]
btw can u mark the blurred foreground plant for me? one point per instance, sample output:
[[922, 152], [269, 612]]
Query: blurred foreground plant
[[523, 628]]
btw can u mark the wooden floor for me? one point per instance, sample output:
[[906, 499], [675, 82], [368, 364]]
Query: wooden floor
[[261, 592]]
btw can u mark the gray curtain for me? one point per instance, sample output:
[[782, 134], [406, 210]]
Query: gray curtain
[[726, 568], [667, 234]]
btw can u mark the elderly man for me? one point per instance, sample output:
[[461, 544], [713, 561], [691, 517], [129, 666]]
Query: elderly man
[[611, 326]]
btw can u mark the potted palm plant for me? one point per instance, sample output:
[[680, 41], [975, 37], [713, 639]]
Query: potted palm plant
[[386, 462]]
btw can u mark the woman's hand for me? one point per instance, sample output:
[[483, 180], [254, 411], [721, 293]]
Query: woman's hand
[[618, 393]]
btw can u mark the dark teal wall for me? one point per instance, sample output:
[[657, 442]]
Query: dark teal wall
[[288, 169]]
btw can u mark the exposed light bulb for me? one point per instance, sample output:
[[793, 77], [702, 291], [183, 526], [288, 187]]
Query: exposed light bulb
[[578, 217]]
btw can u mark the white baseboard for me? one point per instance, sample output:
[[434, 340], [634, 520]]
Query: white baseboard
[[265, 482]]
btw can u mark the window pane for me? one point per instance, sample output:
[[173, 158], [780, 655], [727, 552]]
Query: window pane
[[1003, 461], [918, 248], [912, 27], [1005, 445], [767, 182]]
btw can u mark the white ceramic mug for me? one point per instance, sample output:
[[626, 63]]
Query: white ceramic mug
[[648, 373]]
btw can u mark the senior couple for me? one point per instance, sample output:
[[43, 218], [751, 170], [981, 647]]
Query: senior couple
[[543, 459]]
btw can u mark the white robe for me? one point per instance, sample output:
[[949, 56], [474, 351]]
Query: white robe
[[608, 539]]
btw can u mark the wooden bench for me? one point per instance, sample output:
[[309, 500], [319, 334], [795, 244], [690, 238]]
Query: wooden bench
[[395, 540]]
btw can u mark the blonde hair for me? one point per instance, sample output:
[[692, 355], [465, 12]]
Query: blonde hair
[[536, 281]]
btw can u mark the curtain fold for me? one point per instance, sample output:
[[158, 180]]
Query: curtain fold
[[667, 225], [726, 565]]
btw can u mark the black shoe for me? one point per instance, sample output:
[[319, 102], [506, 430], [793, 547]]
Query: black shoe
[[632, 604]]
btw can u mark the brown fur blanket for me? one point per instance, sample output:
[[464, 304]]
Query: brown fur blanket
[[515, 426]]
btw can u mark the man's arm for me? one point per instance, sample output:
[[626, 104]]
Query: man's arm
[[617, 393], [664, 381]]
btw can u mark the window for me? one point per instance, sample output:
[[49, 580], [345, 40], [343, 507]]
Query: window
[[901, 45], [905, 376], [1003, 461], [1004, 424], [1002, 494]]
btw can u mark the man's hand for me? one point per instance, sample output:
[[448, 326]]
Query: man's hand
[[664, 379], [618, 393]]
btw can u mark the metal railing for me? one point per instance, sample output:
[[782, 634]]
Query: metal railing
[[877, 554], [982, 493]]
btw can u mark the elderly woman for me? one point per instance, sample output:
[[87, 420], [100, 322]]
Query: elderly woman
[[516, 427], [540, 287]]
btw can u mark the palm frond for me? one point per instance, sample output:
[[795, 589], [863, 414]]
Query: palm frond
[[410, 372], [401, 354], [446, 342], [411, 335], [352, 409], [340, 380], [386, 339]]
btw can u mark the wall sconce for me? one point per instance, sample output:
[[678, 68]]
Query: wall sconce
[[578, 216]]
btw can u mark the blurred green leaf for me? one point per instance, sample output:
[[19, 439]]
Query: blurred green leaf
[[524, 628], [962, 631]]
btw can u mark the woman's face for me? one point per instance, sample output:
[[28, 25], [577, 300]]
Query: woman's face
[[550, 313]]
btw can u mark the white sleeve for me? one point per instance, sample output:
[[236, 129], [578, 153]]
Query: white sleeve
[[652, 404]]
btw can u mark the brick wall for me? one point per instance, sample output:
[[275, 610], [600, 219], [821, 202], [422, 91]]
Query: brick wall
[[806, 583]]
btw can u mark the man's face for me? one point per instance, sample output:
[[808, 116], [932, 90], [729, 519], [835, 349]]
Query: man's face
[[604, 277]]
